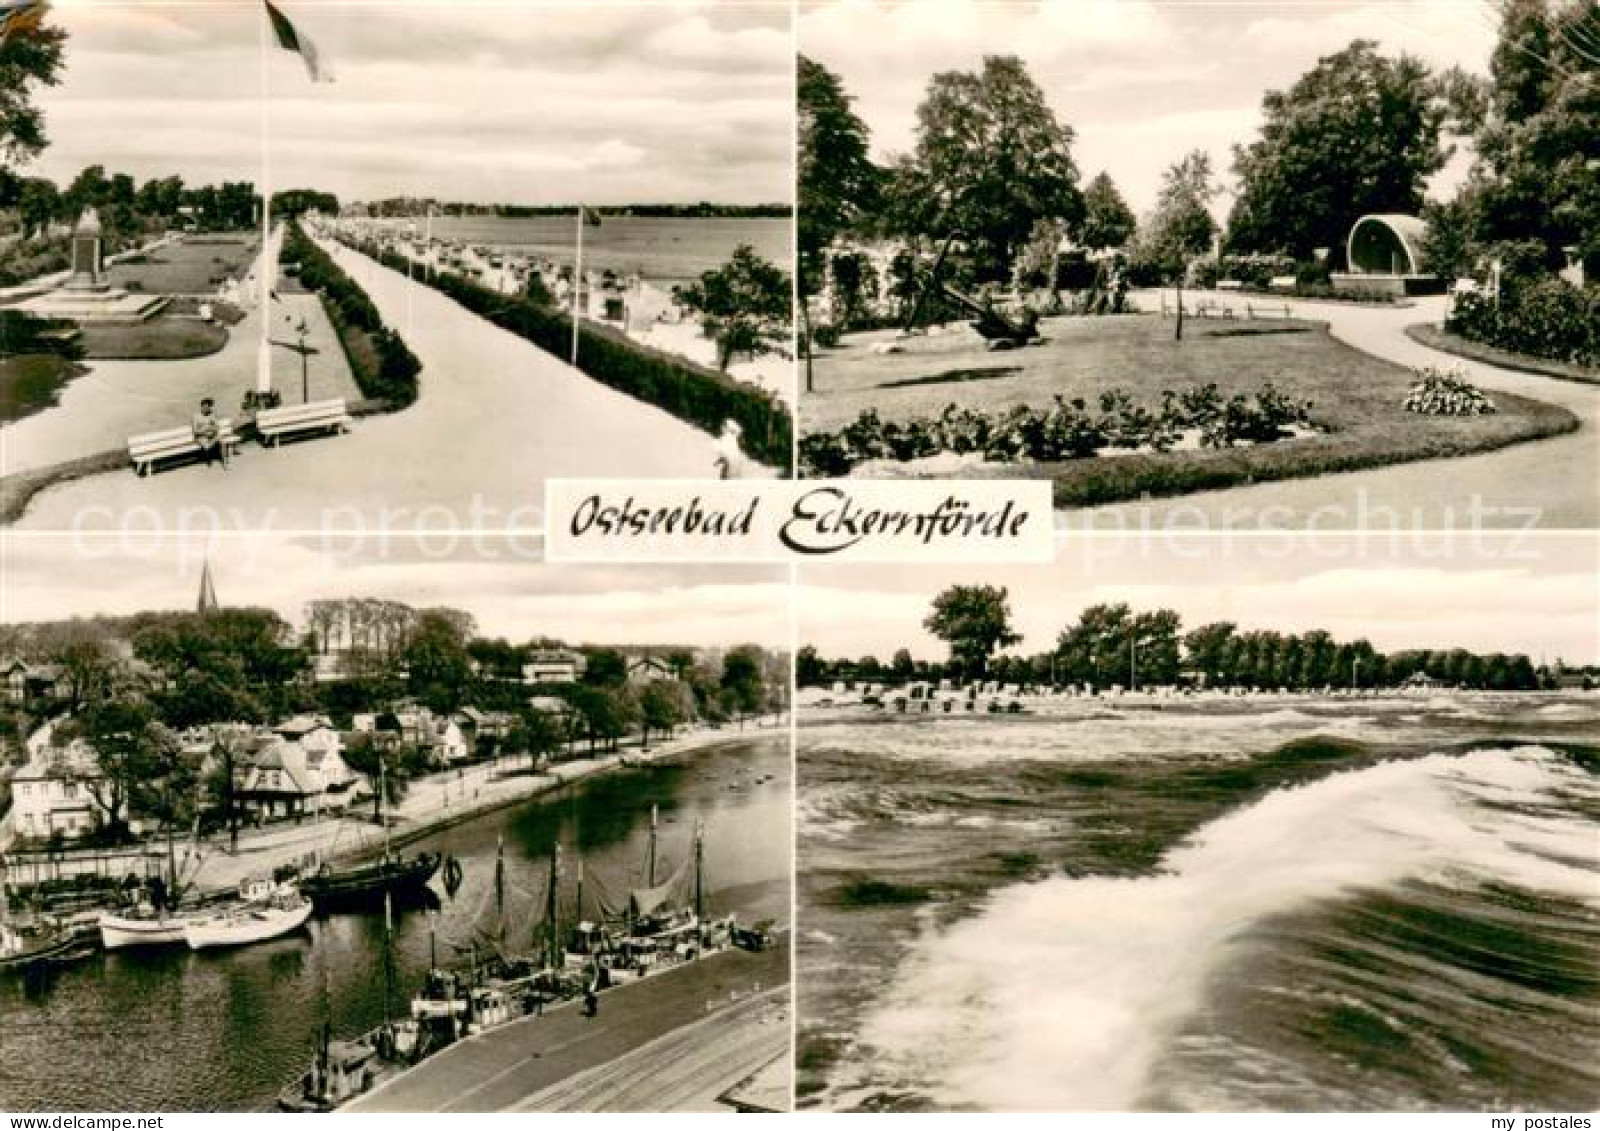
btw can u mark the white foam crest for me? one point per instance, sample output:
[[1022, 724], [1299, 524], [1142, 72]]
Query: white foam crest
[[1062, 994]]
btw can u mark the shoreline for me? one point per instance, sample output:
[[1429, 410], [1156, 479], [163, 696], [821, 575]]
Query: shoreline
[[435, 811]]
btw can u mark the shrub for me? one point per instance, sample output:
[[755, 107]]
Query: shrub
[[1547, 317], [1446, 393], [1064, 430]]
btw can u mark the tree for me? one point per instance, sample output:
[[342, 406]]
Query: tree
[[437, 659], [743, 681], [809, 668], [904, 666], [991, 160], [974, 620], [29, 58], [1358, 133], [1181, 226], [660, 708], [745, 305], [124, 735], [367, 756], [837, 180], [606, 667], [1536, 177], [1107, 219]]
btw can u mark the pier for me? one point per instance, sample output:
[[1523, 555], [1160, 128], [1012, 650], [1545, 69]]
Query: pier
[[524, 1062]]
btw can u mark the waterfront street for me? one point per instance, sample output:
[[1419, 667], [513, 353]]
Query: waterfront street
[[501, 1069]]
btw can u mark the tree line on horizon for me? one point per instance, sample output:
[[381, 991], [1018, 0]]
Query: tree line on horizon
[[1114, 645]]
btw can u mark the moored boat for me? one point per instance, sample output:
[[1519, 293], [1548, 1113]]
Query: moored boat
[[41, 944], [285, 911], [141, 927], [366, 885]]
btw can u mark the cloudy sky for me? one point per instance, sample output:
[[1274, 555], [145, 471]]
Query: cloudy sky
[[493, 100], [1141, 82], [1538, 596], [502, 583]]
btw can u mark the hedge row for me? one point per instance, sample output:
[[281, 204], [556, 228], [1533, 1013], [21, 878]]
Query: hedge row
[[390, 372], [1547, 318], [692, 393]]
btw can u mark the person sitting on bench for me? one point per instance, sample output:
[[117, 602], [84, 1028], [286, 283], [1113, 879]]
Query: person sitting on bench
[[208, 434]]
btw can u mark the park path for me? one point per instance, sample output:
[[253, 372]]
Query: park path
[[496, 417], [1550, 483]]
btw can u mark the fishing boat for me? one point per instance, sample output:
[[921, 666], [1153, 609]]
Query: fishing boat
[[248, 922], [142, 926], [390, 878], [34, 945], [401, 879]]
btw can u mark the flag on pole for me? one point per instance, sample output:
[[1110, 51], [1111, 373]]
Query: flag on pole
[[19, 16], [591, 218], [291, 38]]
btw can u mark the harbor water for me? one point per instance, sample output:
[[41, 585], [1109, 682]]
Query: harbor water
[[169, 1029], [1299, 905]]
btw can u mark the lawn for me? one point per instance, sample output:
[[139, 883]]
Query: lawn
[[164, 337], [195, 265], [31, 383], [1356, 398]]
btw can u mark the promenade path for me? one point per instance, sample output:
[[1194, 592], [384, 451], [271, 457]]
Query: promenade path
[[515, 1063], [1549, 483], [686, 1069], [496, 417]]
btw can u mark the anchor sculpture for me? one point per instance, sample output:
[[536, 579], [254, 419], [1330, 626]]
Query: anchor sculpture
[[994, 327]]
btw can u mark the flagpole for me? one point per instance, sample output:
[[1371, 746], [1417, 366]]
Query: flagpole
[[264, 350], [577, 286]]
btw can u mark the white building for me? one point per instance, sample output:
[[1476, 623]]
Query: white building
[[553, 666], [55, 794]]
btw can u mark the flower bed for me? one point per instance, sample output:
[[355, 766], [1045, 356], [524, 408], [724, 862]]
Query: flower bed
[[1064, 430], [1439, 392]]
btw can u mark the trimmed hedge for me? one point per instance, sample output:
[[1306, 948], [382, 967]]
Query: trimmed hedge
[[392, 376], [693, 393]]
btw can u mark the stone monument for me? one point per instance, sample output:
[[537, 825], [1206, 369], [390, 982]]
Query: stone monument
[[87, 295]]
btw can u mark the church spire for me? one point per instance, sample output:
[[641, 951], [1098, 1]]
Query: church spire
[[208, 592]]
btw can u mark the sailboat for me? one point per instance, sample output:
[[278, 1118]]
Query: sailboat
[[342, 1070], [391, 877], [155, 920]]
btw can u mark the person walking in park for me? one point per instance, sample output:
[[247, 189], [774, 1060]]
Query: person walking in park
[[208, 434]]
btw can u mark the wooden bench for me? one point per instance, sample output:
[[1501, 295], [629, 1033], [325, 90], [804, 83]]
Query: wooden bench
[[151, 448], [317, 416]]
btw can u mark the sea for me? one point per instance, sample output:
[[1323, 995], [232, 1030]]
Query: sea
[[1281, 905], [173, 1030], [662, 249]]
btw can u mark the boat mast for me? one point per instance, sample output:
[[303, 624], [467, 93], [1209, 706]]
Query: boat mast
[[383, 806], [699, 869], [652, 874], [500, 884], [388, 953], [552, 908]]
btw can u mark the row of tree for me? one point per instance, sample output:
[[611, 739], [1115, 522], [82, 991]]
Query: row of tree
[[1113, 645]]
